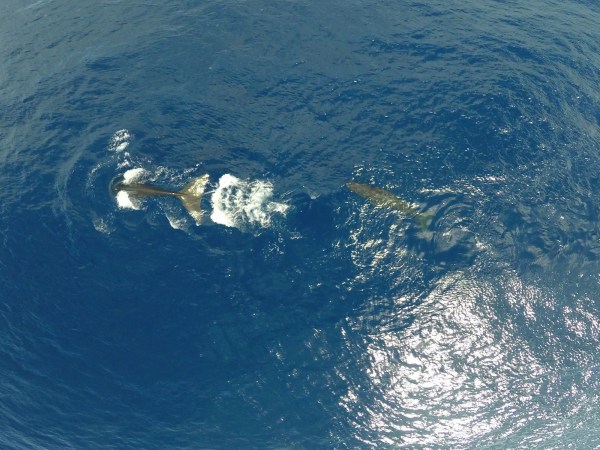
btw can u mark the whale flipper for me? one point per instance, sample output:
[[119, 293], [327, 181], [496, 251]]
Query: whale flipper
[[191, 195]]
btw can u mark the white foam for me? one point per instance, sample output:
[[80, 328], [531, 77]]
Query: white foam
[[102, 225], [120, 141], [132, 175], [123, 199], [126, 161], [125, 202], [238, 203], [177, 223]]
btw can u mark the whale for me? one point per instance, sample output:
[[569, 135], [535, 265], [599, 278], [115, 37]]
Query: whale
[[386, 199], [190, 195]]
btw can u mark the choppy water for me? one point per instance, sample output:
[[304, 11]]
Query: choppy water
[[299, 315]]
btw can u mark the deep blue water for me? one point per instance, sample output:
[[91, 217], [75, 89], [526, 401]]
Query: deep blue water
[[331, 322]]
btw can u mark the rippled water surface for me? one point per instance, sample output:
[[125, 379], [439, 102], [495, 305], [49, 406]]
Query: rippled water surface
[[299, 314]]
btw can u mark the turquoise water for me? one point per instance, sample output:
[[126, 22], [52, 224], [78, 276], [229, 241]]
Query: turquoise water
[[298, 314]]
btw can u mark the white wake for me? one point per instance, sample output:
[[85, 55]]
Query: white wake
[[238, 203]]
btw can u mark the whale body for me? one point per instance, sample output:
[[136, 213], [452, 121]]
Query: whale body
[[386, 199], [190, 195]]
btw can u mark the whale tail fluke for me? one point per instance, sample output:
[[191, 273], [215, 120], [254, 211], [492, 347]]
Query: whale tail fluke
[[191, 195]]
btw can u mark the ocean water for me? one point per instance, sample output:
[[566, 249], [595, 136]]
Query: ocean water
[[299, 315]]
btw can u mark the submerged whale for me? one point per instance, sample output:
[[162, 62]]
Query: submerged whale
[[381, 197], [190, 195]]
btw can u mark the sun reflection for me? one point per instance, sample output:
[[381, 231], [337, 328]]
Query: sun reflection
[[452, 376], [471, 356]]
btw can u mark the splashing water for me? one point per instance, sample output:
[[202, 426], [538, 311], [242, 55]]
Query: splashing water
[[238, 203]]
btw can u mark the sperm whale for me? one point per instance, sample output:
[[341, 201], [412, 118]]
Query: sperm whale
[[190, 195], [381, 197]]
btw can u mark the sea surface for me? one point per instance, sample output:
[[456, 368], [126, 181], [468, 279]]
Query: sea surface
[[298, 314]]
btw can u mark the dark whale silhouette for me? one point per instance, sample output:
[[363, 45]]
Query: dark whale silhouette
[[190, 195], [381, 197]]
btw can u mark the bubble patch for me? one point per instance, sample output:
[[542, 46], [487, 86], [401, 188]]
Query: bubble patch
[[120, 141], [125, 202], [238, 203]]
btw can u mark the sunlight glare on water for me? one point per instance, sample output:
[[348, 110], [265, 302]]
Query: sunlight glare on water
[[309, 308], [451, 376]]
